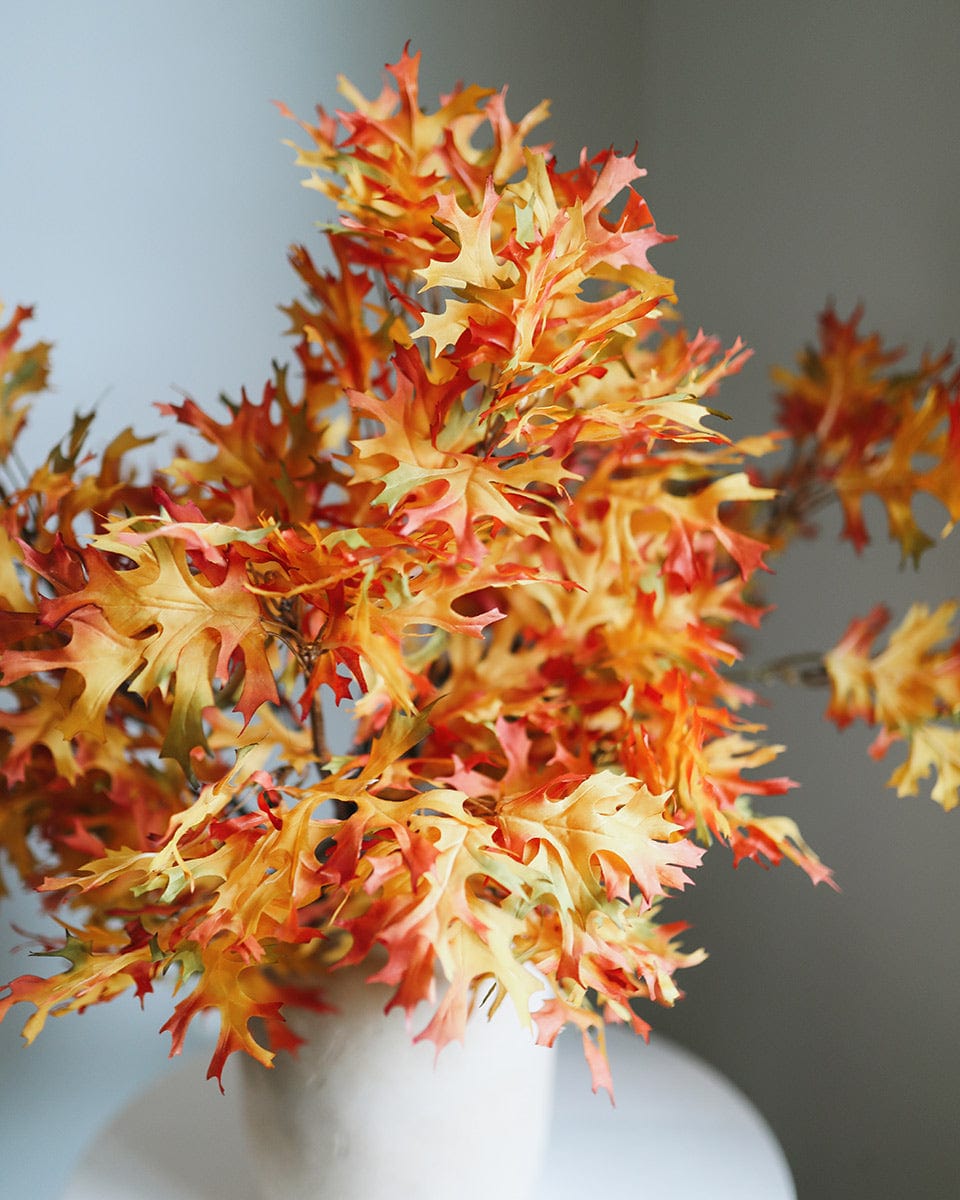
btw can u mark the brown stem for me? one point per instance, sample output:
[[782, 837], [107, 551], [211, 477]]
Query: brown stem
[[495, 427], [318, 733], [804, 668]]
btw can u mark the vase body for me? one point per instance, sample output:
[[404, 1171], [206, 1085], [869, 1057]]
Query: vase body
[[363, 1113]]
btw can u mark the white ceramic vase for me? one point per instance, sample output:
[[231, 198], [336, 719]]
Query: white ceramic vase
[[362, 1113]]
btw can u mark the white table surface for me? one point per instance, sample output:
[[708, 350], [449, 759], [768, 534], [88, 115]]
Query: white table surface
[[678, 1129]]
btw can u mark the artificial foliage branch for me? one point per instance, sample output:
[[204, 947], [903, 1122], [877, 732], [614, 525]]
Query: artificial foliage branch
[[492, 510]]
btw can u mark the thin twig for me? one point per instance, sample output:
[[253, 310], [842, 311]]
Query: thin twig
[[318, 733], [806, 668]]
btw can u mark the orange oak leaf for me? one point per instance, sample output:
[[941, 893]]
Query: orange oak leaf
[[93, 977], [153, 626], [607, 833], [22, 372], [422, 483], [238, 993]]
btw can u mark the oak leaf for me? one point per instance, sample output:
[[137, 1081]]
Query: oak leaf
[[153, 626]]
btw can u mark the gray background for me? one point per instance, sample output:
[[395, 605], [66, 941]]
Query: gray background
[[801, 151]]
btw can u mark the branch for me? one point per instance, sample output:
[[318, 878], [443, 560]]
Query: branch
[[805, 668], [318, 733]]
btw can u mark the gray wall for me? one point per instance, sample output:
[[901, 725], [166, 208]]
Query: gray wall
[[800, 151]]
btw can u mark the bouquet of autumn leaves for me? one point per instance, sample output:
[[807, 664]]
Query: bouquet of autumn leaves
[[494, 515]]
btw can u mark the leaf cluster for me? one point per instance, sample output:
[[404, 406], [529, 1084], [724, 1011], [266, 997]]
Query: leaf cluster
[[493, 516]]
